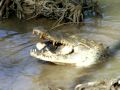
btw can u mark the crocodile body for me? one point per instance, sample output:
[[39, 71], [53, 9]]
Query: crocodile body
[[66, 46]]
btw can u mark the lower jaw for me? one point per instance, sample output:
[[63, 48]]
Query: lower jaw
[[63, 61]]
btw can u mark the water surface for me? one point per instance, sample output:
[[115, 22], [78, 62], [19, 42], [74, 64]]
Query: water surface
[[20, 71]]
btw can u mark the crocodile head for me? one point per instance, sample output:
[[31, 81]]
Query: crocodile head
[[63, 46]]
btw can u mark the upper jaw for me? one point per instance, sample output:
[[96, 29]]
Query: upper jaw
[[62, 49], [44, 33], [39, 30]]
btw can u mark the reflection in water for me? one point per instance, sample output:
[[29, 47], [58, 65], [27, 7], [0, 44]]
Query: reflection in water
[[19, 71]]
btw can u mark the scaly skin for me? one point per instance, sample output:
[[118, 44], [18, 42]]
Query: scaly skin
[[74, 49]]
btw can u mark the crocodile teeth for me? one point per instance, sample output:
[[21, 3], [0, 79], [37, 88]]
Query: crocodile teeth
[[53, 43], [40, 46], [40, 35], [35, 32], [35, 50], [62, 42]]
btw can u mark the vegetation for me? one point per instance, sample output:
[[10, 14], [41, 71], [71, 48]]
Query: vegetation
[[61, 10]]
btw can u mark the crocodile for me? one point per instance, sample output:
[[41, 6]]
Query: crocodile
[[66, 46]]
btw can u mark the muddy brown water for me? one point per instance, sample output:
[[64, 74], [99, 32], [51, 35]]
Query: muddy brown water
[[20, 71]]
